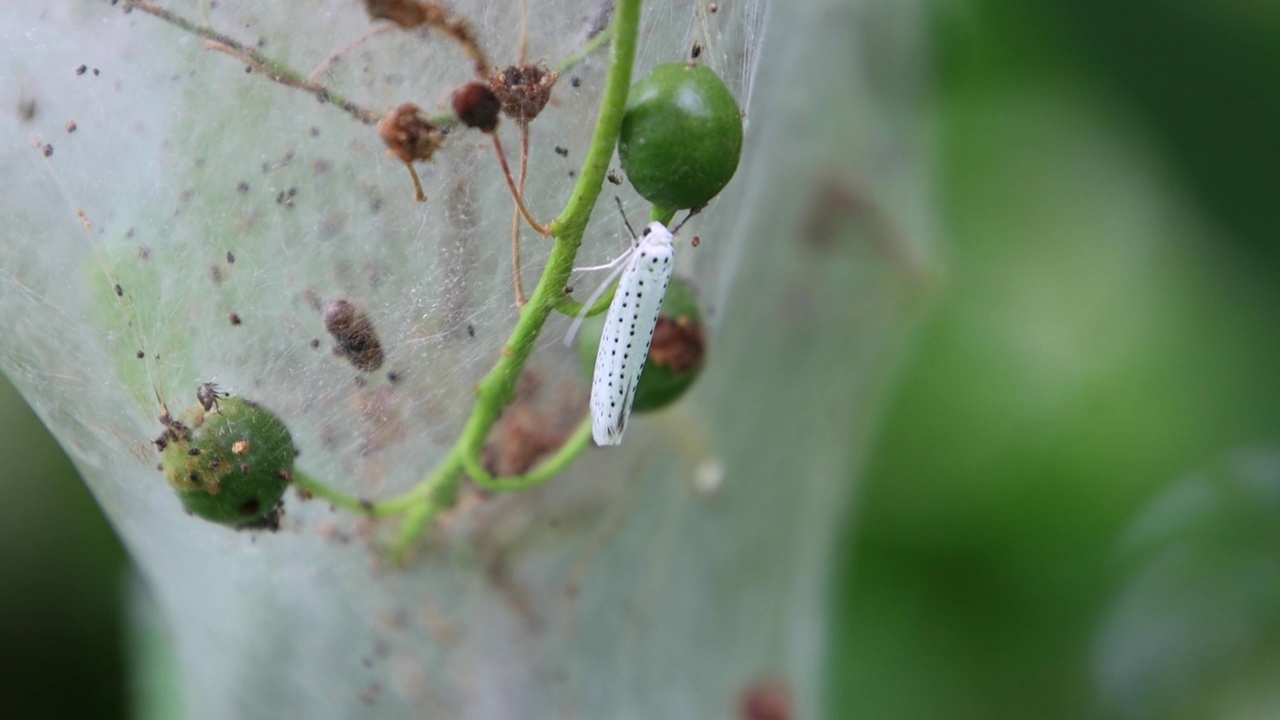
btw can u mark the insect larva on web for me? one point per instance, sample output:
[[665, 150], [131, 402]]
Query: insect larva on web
[[352, 327]]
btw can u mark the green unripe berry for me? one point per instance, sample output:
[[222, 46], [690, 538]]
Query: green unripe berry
[[230, 465], [676, 355], [681, 136]]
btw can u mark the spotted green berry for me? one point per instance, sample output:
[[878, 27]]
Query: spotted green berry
[[230, 465]]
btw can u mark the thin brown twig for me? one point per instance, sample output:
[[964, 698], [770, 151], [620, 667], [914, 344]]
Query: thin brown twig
[[524, 30], [273, 69], [515, 215], [323, 68], [410, 14], [524, 160], [524, 156], [511, 185], [419, 194], [249, 60], [516, 280]]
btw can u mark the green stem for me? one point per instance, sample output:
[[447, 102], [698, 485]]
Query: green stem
[[573, 221], [416, 520], [438, 486], [334, 497], [497, 389], [567, 453], [573, 308], [422, 503], [662, 215]]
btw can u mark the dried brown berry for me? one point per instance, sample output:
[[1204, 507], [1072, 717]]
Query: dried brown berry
[[677, 353], [524, 90], [409, 134], [476, 106], [678, 343]]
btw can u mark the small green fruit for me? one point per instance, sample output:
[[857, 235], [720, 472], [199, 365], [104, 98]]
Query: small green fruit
[[230, 465], [676, 355], [681, 136]]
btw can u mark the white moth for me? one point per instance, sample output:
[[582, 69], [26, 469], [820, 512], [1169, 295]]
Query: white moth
[[628, 329]]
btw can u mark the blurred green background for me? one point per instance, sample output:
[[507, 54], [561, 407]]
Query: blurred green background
[[63, 577], [1073, 506]]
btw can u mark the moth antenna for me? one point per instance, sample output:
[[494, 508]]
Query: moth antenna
[[625, 221]]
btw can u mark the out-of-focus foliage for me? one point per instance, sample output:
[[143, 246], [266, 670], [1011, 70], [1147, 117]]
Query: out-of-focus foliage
[[1110, 327], [61, 581], [1192, 629]]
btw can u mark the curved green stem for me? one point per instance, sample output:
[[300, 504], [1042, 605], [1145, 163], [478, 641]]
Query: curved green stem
[[416, 520], [498, 387], [437, 487], [573, 308], [334, 497], [421, 504], [567, 453]]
